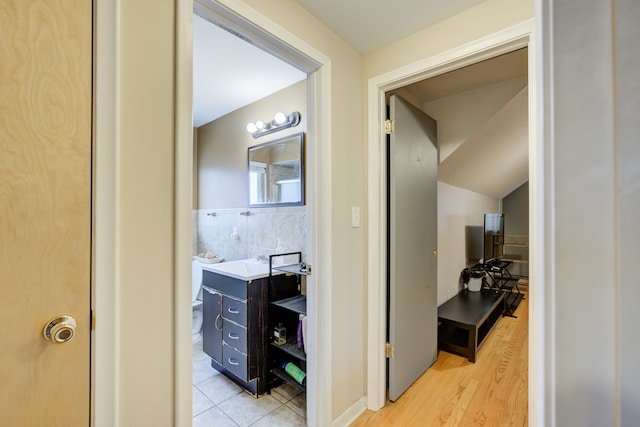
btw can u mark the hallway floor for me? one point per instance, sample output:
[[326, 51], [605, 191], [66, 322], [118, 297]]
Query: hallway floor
[[219, 402], [455, 392]]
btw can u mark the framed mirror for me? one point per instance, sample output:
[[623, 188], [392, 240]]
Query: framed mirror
[[276, 172]]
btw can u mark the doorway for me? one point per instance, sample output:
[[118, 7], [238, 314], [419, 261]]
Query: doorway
[[500, 43], [247, 31]]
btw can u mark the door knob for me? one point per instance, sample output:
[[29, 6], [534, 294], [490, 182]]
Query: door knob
[[60, 329]]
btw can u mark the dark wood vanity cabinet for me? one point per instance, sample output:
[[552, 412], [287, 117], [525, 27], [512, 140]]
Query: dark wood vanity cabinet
[[235, 329]]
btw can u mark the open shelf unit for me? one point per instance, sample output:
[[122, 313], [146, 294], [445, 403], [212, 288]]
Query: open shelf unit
[[287, 311]]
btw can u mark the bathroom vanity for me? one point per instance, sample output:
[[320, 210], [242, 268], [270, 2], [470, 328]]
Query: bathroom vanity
[[235, 326]]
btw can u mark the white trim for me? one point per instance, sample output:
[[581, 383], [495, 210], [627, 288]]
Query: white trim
[[183, 203], [105, 292], [351, 413], [319, 412], [507, 40], [542, 323], [319, 234]]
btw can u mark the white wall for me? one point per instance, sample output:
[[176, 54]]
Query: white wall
[[144, 210], [460, 217], [591, 94]]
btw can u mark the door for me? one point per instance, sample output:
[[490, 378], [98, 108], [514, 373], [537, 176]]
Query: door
[[412, 238], [45, 211], [212, 325]]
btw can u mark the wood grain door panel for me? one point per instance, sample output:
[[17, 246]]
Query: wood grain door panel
[[45, 209]]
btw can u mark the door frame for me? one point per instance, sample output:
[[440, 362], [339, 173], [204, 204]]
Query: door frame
[[265, 34], [109, 334], [504, 41]]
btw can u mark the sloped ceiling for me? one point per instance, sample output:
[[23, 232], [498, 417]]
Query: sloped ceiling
[[485, 73], [495, 160], [229, 73]]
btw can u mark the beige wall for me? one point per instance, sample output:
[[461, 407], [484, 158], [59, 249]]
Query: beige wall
[[347, 190], [486, 18], [223, 144], [144, 211]]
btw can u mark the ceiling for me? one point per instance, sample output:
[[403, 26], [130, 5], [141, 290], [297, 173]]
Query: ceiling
[[229, 73], [485, 73], [370, 24]]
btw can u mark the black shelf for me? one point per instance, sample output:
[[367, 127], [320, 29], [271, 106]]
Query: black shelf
[[297, 304], [513, 299], [286, 311], [293, 269], [280, 373], [291, 347], [509, 283]]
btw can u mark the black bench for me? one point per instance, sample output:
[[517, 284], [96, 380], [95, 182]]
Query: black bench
[[466, 319]]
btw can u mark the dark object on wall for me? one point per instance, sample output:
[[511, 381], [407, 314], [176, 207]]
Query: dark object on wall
[[493, 235]]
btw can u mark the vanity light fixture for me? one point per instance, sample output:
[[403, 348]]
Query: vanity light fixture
[[279, 122]]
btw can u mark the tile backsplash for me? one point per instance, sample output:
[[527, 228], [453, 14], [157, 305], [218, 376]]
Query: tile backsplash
[[232, 234]]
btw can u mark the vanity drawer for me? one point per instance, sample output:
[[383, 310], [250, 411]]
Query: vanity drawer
[[235, 336], [234, 310], [235, 362], [225, 284]]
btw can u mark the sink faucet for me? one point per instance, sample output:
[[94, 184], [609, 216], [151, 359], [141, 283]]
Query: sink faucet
[[263, 259]]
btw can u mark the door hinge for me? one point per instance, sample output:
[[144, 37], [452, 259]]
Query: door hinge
[[388, 350], [389, 127], [93, 320]]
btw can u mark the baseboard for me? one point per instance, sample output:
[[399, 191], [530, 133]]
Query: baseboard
[[352, 413]]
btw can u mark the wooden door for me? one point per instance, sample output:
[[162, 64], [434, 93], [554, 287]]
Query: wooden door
[[45, 210], [413, 215]]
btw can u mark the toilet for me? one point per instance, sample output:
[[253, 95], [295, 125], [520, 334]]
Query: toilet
[[196, 300]]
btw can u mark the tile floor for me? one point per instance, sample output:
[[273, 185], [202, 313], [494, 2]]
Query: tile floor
[[219, 402]]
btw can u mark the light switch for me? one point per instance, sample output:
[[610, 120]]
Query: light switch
[[355, 217]]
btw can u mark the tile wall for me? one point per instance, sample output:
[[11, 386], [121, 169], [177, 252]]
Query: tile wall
[[261, 232]]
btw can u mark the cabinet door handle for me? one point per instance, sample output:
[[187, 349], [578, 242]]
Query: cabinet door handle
[[215, 323], [233, 336], [233, 362], [233, 311]]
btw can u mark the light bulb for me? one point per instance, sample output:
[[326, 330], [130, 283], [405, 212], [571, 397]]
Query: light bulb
[[251, 128], [280, 118], [260, 124]]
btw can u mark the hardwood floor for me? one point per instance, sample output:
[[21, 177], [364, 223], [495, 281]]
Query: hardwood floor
[[455, 392]]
